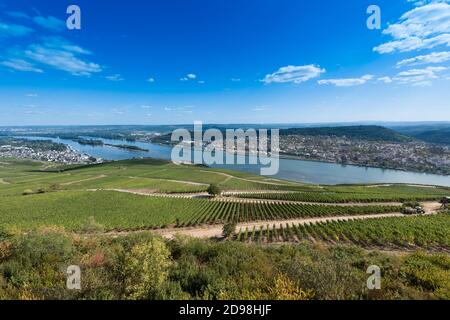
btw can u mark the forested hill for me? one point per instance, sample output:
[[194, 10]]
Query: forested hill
[[435, 136], [370, 133]]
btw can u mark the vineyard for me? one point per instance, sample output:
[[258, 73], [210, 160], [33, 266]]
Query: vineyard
[[343, 197], [421, 231], [115, 210]]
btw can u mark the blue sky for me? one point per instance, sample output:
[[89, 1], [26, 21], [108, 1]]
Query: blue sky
[[223, 61]]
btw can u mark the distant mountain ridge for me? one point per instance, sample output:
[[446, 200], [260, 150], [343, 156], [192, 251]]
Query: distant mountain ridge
[[362, 132]]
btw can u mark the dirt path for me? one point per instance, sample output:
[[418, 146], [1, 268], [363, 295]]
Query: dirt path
[[3, 181], [154, 193], [347, 204], [84, 180], [215, 231]]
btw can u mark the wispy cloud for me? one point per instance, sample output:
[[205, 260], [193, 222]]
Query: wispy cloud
[[18, 14], [424, 27], [13, 30], [294, 74], [20, 65], [435, 57], [260, 108], [347, 82], [50, 23], [56, 53], [114, 77], [151, 80], [419, 77]]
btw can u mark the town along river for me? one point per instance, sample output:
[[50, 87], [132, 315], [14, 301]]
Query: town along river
[[290, 169]]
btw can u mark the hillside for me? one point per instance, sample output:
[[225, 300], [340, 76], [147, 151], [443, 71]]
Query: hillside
[[370, 133], [441, 136]]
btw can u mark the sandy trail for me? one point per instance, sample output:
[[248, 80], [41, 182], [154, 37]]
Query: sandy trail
[[347, 204], [215, 231], [154, 193], [3, 181]]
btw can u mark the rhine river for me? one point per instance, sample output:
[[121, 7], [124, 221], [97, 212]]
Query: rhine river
[[296, 170]]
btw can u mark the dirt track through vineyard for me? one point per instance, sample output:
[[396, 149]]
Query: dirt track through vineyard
[[215, 231]]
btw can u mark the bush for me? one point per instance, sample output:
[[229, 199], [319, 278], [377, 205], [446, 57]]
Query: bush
[[229, 229], [147, 269], [213, 190]]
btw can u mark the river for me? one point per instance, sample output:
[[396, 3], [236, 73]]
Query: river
[[290, 169]]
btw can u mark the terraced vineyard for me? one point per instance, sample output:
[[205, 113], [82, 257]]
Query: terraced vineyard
[[422, 231]]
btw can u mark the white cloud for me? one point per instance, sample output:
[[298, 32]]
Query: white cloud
[[294, 74], [18, 14], [151, 80], [424, 2], [235, 79], [114, 77], [348, 82], [424, 27], [32, 95], [385, 79], [50, 23], [61, 55], [21, 65], [419, 77], [13, 30], [146, 106], [189, 76], [260, 108], [435, 57]]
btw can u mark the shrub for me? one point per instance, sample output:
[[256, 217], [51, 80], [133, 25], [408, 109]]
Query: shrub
[[147, 269], [214, 190], [229, 229]]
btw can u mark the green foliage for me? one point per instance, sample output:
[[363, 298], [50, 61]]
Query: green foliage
[[147, 269], [214, 190], [229, 229]]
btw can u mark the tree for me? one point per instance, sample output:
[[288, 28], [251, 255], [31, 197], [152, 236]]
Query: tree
[[229, 229], [147, 269], [214, 190]]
